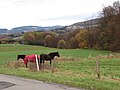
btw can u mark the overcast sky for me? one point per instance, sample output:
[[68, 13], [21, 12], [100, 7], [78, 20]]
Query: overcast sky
[[15, 13]]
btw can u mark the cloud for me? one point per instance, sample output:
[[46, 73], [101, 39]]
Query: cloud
[[44, 12]]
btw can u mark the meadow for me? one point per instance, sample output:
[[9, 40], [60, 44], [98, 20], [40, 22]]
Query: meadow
[[75, 67]]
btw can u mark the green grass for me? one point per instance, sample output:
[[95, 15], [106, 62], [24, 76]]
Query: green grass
[[77, 72], [10, 51]]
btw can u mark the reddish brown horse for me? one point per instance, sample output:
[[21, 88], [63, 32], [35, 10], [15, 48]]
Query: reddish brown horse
[[28, 58]]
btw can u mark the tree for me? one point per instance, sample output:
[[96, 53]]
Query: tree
[[40, 38], [73, 43], [47, 41], [51, 40], [62, 44], [109, 27], [81, 38]]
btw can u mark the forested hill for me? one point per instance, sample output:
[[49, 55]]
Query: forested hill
[[60, 29], [32, 28], [85, 24], [27, 29], [3, 31]]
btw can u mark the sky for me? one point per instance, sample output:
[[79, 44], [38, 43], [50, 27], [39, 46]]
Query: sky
[[15, 13]]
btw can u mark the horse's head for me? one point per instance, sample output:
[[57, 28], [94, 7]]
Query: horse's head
[[57, 54], [20, 56]]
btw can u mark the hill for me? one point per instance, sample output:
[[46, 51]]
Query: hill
[[3, 31], [84, 24], [32, 28], [58, 29]]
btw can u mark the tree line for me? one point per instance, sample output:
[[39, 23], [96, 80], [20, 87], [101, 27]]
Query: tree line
[[110, 27], [105, 36]]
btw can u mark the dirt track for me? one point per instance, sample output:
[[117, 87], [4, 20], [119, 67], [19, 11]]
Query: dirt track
[[8, 82]]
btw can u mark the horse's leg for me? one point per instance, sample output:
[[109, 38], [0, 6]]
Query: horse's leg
[[26, 65], [40, 61], [40, 66], [50, 62], [43, 64]]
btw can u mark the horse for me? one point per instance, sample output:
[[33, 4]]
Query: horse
[[27, 58], [48, 57]]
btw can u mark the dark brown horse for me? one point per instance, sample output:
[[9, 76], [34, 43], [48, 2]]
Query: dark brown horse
[[48, 57]]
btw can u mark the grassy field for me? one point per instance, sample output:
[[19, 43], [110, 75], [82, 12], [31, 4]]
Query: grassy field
[[75, 67]]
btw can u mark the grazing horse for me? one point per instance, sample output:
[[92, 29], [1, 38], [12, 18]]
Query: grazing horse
[[27, 58], [48, 57]]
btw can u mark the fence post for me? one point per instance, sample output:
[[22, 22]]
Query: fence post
[[98, 68], [37, 63]]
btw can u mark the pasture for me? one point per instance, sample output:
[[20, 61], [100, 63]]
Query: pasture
[[75, 67]]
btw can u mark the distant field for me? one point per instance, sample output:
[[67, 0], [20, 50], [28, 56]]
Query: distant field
[[75, 67], [10, 51]]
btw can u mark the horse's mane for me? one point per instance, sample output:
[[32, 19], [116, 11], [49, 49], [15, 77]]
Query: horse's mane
[[53, 53]]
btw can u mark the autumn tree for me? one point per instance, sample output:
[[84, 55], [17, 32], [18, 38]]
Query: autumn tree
[[109, 27], [34, 38], [73, 43], [51, 40], [81, 38], [62, 44], [28, 37]]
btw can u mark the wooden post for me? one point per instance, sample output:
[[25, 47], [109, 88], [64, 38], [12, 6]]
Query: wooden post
[[37, 63], [98, 68]]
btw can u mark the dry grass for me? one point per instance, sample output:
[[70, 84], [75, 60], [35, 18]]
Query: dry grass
[[110, 56], [14, 64], [67, 59], [31, 66]]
